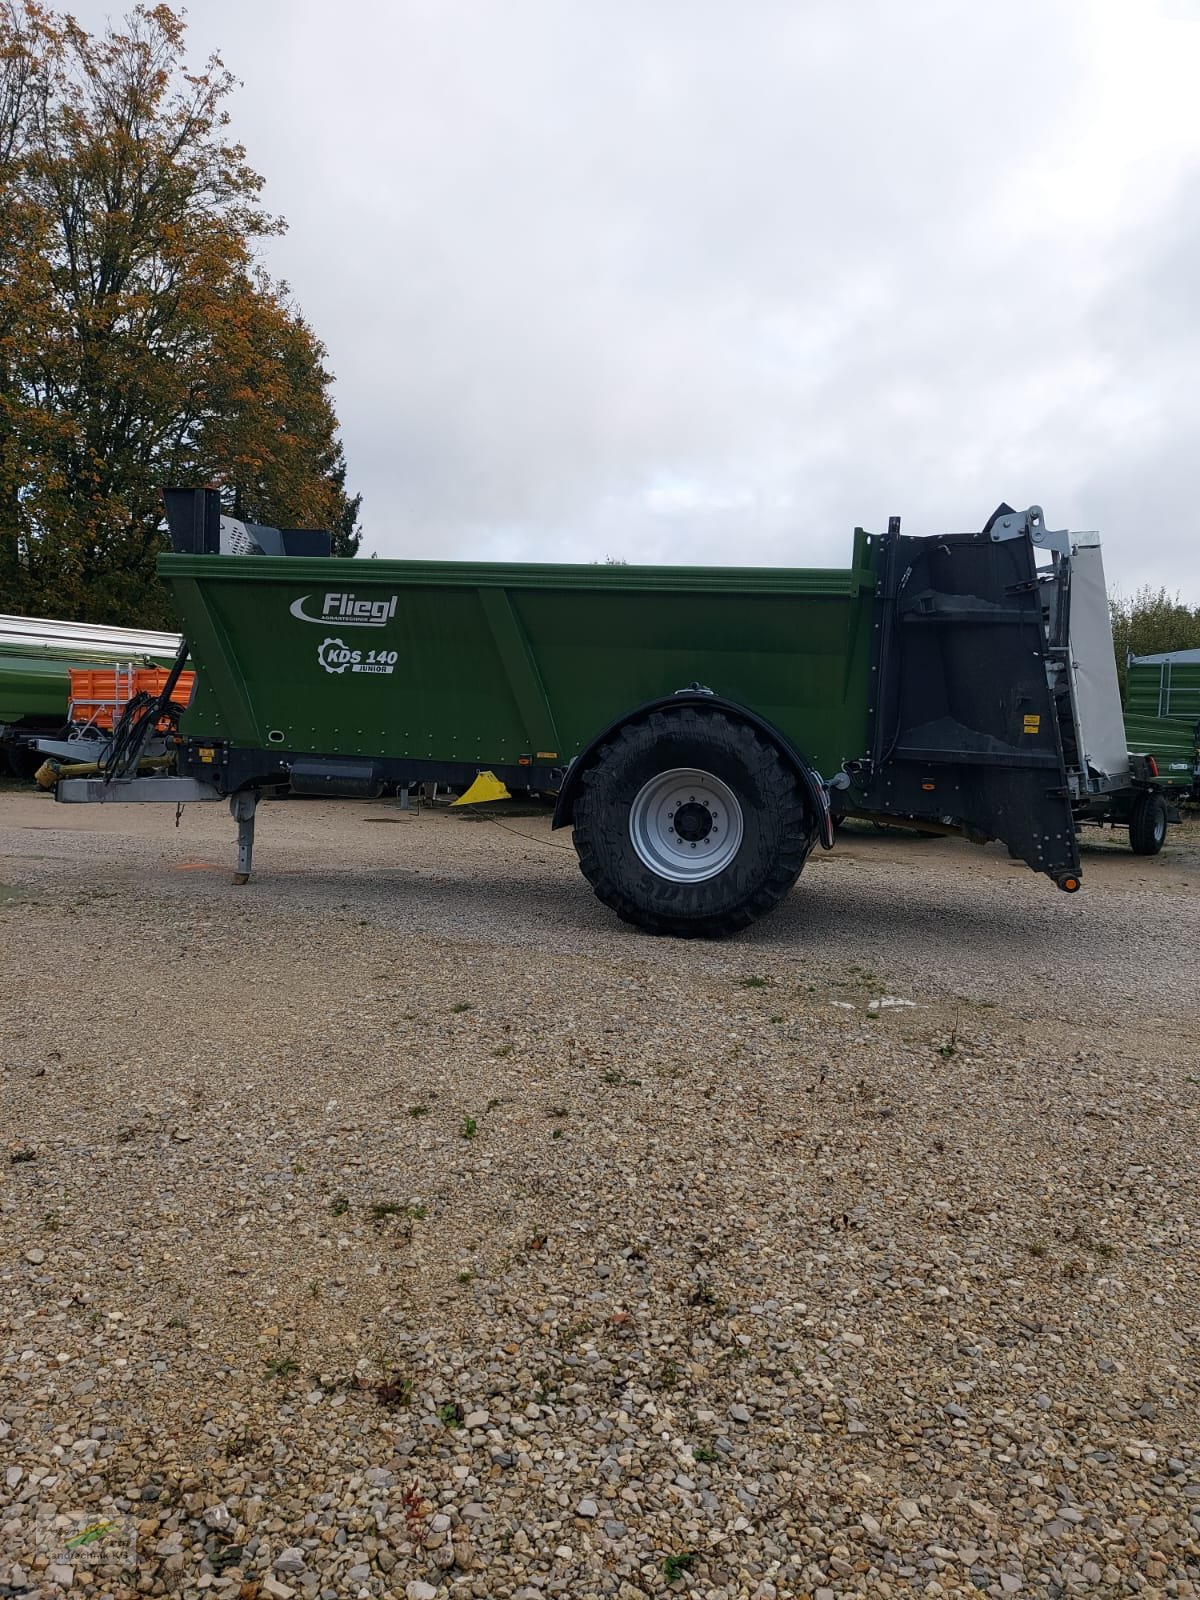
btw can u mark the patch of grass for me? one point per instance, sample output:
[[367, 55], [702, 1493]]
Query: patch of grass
[[776, 1018], [706, 1296], [27, 1154], [281, 1367], [557, 1111], [463, 1005], [494, 1104], [618, 1080], [418, 1111], [52, 1222], [704, 1453], [380, 1209], [468, 1127], [679, 1565], [450, 1414], [339, 1205], [557, 1133], [503, 1050], [1080, 1236], [228, 1555], [950, 1046], [298, 1169], [1037, 1247], [314, 1290], [467, 1275], [669, 1375], [577, 1331], [395, 1391], [755, 983]]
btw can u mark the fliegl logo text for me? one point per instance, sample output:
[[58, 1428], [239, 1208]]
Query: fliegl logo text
[[347, 610], [336, 656]]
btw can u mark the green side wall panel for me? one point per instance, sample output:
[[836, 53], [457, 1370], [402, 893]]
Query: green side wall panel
[[486, 663], [33, 688], [1162, 715]]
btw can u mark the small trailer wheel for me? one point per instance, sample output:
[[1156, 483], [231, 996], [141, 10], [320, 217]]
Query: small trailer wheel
[[691, 823], [23, 761], [1148, 825]]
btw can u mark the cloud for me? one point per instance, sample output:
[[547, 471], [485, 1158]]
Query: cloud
[[705, 283]]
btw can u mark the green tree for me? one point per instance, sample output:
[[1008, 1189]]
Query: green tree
[[140, 343], [1150, 622]]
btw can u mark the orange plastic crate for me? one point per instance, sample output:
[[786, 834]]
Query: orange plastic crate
[[100, 694]]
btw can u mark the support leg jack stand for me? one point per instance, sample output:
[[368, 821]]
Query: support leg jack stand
[[242, 808]]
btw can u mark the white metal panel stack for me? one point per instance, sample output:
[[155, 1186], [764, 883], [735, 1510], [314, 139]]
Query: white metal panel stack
[[44, 635]]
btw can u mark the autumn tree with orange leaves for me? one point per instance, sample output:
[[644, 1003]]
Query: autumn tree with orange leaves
[[141, 344]]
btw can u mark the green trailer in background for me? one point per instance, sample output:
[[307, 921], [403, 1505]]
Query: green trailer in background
[[36, 658], [702, 728], [1162, 717]]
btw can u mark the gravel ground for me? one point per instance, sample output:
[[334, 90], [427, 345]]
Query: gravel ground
[[402, 1224]]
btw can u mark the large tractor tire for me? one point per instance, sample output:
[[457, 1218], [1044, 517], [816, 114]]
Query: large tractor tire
[[691, 823], [1148, 825]]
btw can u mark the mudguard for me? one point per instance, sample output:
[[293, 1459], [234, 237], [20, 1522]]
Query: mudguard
[[810, 779]]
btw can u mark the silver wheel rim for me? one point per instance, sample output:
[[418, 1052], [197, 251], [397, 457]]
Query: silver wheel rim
[[709, 831]]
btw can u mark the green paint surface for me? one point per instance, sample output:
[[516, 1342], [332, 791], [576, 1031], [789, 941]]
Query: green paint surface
[[494, 662], [33, 687], [1162, 716]]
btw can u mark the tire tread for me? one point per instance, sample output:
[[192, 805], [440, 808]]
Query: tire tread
[[1144, 837], [733, 737]]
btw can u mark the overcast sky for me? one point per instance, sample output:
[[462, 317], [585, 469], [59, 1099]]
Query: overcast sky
[[698, 282]]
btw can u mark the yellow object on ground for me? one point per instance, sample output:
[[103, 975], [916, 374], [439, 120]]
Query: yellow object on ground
[[487, 786]]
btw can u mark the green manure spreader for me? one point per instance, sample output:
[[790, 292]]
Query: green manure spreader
[[703, 729], [1162, 716]]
